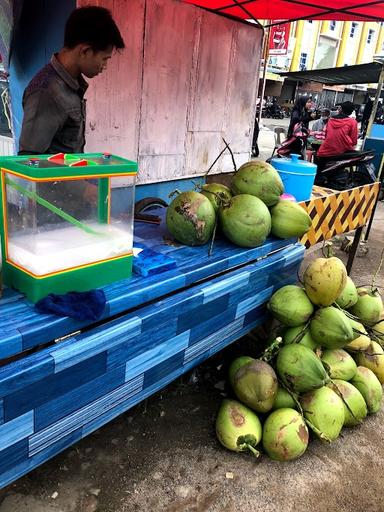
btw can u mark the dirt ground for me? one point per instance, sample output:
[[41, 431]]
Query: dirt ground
[[163, 455]]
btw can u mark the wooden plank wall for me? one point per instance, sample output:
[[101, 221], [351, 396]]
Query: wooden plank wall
[[186, 79], [6, 146]]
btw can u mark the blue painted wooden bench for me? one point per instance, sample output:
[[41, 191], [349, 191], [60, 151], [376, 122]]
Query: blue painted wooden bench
[[61, 379]]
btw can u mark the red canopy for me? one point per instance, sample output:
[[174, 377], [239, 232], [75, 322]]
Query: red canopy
[[292, 10]]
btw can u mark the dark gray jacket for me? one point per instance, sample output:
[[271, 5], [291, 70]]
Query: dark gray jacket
[[54, 112]]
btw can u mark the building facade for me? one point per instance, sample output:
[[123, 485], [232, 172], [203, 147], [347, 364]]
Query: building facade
[[327, 44]]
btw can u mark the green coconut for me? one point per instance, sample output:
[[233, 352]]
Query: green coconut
[[217, 193], [324, 280], [289, 220], [290, 305], [348, 297], [369, 386], [299, 335], [331, 328], [300, 369], [238, 428], [255, 384], [339, 363], [356, 409], [372, 358], [361, 339], [368, 307], [191, 218], [378, 330], [246, 221], [285, 435], [236, 365], [283, 399], [324, 409], [259, 179]]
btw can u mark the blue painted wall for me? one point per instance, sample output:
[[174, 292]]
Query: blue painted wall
[[39, 34]]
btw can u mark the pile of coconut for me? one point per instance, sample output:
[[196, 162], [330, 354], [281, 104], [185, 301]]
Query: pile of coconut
[[246, 213], [323, 373]]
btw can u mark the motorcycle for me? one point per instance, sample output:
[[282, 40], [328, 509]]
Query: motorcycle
[[349, 170], [274, 112]]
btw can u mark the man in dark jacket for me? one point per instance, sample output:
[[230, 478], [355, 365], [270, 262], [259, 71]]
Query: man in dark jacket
[[53, 102], [54, 105]]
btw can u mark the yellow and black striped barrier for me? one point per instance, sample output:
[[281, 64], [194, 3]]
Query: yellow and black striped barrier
[[333, 212]]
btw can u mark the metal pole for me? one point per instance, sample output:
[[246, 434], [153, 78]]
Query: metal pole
[[375, 103], [368, 230], [264, 78]]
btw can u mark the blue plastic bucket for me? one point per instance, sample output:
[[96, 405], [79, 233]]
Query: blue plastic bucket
[[297, 175]]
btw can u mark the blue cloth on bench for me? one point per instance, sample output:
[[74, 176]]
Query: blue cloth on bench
[[80, 305]]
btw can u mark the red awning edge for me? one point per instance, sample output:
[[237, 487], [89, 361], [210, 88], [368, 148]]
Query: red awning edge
[[293, 10]]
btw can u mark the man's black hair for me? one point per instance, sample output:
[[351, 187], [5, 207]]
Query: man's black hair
[[94, 26], [347, 108]]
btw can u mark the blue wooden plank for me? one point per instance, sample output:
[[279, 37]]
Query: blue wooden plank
[[147, 340], [133, 400], [13, 455], [140, 290], [9, 295], [202, 313], [33, 462], [293, 255], [197, 272], [247, 305], [51, 434], [87, 345], [201, 330], [76, 398], [163, 369], [15, 430], [11, 342], [1, 411], [37, 330], [201, 356], [219, 287], [254, 316], [257, 283], [164, 310], [24, 372], [201, 346], [53, 386], [156, 355]]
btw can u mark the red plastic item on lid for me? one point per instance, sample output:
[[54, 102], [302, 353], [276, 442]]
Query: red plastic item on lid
[[58, 158], [79, 163]]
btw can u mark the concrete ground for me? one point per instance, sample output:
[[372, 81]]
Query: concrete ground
[[163, 454]]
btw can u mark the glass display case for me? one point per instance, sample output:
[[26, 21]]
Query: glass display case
[[58, 228]]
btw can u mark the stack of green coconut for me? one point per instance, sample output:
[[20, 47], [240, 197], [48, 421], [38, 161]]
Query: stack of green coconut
[[324, 372], [247, 212]]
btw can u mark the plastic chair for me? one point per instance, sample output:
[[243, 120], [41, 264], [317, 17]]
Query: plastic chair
[[280, 135], [279, 132]]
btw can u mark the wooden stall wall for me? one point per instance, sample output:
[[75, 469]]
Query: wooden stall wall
[[186, 79]]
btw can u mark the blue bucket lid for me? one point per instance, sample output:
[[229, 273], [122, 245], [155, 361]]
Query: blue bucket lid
[[294, 165]]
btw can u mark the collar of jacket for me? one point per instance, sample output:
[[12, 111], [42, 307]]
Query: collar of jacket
[[79, 84]]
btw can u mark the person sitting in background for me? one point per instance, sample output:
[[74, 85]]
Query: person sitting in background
[[341, 133], [318, 128]]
